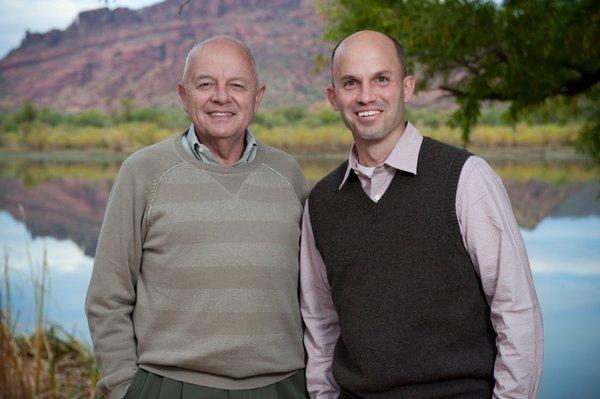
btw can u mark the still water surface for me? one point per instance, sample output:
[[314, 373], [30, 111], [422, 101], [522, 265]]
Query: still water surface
[[58, 208]]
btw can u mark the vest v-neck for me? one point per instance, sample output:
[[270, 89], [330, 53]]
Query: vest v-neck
[[355, 190]]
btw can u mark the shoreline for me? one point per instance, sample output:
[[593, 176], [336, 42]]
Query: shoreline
[[515, 154]]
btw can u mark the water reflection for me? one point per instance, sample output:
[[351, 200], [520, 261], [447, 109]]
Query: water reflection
[[67, 200], [60, 207], [69, 274]]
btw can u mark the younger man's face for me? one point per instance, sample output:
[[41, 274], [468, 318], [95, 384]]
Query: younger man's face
[[369, 88]]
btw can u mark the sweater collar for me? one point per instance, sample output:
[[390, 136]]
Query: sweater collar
[[203, 153]]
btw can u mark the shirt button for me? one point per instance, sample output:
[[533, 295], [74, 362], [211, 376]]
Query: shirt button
[[377, 197]]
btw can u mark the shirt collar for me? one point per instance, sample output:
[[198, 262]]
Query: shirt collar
[[203, 153], [404, 156]]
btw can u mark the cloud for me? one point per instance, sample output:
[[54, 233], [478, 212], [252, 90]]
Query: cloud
[[63, 256], [565, 245]]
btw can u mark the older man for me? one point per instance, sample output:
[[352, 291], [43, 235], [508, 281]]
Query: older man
[[414, 278], [194, 288]]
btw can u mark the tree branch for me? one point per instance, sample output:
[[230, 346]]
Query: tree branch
[[576, 86]]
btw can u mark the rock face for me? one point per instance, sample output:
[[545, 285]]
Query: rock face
[[107, 55], [63, 208]]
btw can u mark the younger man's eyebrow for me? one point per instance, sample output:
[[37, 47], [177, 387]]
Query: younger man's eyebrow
[[382, 73], [347, 77]]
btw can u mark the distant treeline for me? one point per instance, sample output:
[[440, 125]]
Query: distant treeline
[[295, 129]]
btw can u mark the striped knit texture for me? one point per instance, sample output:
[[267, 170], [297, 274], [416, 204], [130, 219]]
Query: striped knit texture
[[215, 302]]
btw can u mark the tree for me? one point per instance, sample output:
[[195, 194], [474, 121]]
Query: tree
[[523, 52]]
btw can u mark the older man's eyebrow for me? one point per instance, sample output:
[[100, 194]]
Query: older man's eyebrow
[[198, 78], [239, 78]]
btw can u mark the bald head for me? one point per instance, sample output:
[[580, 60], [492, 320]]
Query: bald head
[[215, 46], [369, 88], [368, 39]]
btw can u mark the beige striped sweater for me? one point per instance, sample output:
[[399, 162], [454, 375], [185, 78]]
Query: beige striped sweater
[[196, 271]]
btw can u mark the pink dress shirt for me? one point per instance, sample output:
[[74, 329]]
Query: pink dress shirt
[[492, 238]]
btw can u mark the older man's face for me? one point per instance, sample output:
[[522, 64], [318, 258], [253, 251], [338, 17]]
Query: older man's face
[[370, 89], [220, 92]]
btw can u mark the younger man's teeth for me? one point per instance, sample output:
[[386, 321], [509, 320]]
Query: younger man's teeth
[[368, 113]]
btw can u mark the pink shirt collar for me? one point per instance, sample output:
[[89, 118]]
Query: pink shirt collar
[[404, 155]]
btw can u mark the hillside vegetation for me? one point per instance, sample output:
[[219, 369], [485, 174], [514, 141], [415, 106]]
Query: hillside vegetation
[[294, 129]]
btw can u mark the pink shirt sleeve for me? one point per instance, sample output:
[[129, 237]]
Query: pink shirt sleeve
[[320, 317], [492, 238]]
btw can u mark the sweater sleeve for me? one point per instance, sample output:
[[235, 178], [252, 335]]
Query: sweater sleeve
[[111, 295]]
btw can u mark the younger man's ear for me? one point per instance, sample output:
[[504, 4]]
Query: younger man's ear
[[330, 93]]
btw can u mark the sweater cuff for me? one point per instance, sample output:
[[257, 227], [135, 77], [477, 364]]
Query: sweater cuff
[[120, 390], [114, 386]]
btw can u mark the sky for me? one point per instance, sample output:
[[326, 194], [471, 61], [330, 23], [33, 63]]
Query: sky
[[18, 16]]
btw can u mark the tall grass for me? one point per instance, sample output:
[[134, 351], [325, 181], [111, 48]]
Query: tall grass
[[336, 138], [49, 362], [295, 129]]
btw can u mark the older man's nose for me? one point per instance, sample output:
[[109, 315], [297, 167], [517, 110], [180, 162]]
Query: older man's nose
[[221, 94]]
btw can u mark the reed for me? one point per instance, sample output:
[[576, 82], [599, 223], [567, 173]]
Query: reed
[[48, 363]]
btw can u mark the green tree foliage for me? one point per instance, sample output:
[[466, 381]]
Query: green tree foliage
[[522, 52]]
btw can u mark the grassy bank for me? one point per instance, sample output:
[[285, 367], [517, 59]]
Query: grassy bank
[[297, 130]]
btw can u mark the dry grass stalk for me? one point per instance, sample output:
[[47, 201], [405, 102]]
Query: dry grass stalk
[[48, 364]]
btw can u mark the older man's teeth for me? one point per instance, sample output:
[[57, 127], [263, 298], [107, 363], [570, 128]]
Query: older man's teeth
[[221, 113], [368, 113]]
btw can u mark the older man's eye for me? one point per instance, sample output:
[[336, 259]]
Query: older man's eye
[[238, 86], [204, 85]]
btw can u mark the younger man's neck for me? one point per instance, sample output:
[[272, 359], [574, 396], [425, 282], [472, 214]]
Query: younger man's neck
[[374, 153]]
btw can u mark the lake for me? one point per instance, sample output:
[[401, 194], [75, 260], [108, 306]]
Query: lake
[[56, 208]]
